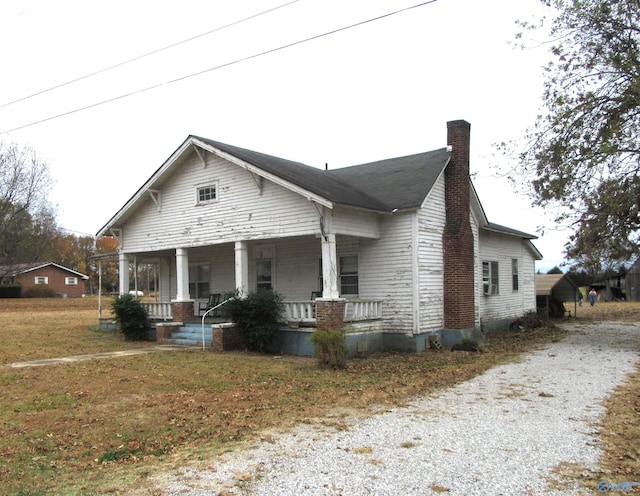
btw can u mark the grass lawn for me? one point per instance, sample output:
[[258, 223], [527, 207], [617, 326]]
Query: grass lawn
[[103, 426]]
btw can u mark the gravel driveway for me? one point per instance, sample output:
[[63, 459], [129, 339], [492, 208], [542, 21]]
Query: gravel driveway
[[502, 433]]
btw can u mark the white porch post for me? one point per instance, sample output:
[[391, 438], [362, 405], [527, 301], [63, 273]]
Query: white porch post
[[182, 274], [329, 267], [242, 267], [123, 276]]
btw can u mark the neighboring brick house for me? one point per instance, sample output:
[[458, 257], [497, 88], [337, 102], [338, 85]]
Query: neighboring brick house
[[63, 281]]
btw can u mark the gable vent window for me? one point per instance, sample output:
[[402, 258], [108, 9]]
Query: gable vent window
[[206, 194]]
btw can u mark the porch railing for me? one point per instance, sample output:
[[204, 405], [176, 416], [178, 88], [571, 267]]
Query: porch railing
[[295, 311], [158, 310], [300, 311], [354, 310]]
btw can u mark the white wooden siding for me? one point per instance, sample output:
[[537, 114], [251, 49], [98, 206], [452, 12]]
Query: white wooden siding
[[508, 303], [431, 221], [240, 212], [386, 272], [357, 223], [477, 269]]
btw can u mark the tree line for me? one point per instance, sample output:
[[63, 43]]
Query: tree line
[[29, 231]]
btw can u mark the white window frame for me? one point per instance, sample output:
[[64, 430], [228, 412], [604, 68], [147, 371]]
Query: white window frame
[[355, 274], [208, 186], [262, 285], [41, 280], [71, 281], [199, 288], [490, 277]]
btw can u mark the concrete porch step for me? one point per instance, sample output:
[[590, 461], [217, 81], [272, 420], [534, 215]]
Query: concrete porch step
[[190, 334]]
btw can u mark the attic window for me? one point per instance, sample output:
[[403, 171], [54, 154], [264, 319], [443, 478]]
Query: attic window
[[206, 194]]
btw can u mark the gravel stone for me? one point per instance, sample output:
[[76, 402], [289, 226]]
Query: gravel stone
[[501, 433]]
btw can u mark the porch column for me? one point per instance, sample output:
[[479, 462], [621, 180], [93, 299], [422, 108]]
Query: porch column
[[123, 273], [182, 308], [242, 267], [182, 274], [329, 267]]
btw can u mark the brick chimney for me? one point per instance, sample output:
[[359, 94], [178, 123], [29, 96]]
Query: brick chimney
[[459, 301]]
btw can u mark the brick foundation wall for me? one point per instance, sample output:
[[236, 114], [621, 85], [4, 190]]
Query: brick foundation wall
[[182, 311], [459, 294], [226, 339], [330, 314]]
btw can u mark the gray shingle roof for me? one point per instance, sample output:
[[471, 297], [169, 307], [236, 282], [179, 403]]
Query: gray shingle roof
[[384, 185], [507, 230], [399, 183]]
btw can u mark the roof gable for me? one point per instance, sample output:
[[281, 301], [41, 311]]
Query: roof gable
[[23, 268]]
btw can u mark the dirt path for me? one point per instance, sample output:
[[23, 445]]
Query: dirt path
[[94, 356]]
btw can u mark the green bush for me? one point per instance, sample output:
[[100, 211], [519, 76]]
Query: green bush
[[330, 347], [40, 291], [10, 291], [465, 345], [258, 317], [131, 317]]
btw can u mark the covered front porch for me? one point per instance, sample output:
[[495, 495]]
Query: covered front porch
[[308, 272]]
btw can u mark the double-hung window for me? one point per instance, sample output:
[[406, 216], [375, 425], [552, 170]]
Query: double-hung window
[[71, 281], [41, 280], [199, 280], [515, 285], [349, 275], [490, 278], [264, 275]]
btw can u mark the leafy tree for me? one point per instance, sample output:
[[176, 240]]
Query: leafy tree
[[105, 245], [27, 219], [583, 153]]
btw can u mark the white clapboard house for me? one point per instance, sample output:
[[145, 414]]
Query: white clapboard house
[[398, 251]]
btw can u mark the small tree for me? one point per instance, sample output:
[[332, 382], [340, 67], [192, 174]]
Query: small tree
[[258, 317], [131, 317]]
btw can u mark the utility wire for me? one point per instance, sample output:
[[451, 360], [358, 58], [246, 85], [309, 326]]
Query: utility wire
[[227, 64], [120, 64]]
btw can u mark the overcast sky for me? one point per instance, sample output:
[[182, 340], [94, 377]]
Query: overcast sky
[[382, 89]]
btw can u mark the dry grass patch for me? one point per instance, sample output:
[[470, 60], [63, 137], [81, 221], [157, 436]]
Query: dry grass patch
[[103, 426]]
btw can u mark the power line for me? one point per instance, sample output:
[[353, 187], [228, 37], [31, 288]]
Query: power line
[[221, 66], [120, 64]]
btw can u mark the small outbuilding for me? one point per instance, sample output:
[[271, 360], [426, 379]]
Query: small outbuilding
[[554, 292]]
